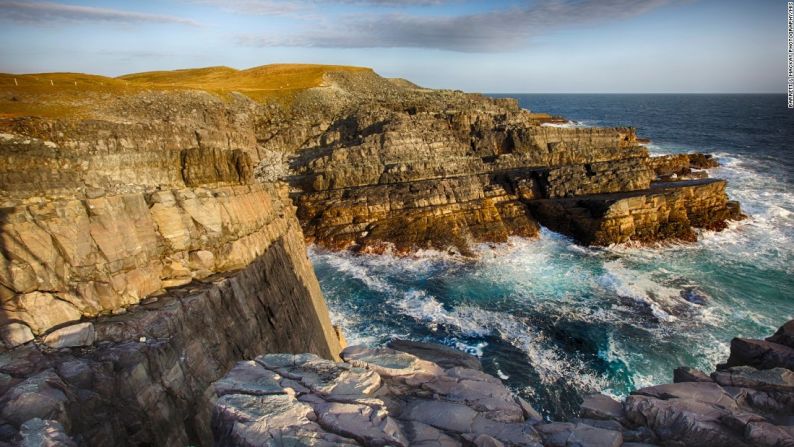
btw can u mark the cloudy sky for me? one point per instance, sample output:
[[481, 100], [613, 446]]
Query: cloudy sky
[[489, 46]]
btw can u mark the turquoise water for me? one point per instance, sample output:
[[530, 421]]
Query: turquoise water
[[555, 320]]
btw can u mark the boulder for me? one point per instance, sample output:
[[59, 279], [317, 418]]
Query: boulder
[[687, 374], [81, 334], [760, 354], [784, 335], [15, 334], [600, 406]]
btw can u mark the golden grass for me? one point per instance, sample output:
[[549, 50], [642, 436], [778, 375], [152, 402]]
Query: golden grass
[[73, 94]]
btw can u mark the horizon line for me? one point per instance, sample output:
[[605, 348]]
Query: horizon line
[[631, 93]]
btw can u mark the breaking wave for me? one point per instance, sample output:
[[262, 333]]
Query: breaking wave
[[555, 320]]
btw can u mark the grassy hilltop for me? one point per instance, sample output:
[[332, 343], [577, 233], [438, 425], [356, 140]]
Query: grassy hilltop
[[60, 95]]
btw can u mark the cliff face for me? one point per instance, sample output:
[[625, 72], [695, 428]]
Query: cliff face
[[139, 262], [414, 168]]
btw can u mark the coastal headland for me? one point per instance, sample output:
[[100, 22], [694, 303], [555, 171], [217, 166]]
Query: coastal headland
[[153, 236]]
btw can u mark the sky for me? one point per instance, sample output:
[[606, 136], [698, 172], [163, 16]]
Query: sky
[[510, 46]]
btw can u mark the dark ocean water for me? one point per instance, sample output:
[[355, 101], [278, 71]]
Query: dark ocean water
[[555, 320]]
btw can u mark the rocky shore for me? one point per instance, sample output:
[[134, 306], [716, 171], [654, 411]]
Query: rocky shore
[[153, 228], [426, 395]]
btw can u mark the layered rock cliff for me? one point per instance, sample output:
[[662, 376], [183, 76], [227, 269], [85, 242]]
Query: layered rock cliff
[[411, 168], [372, 162], [140, 259], [139, 262]]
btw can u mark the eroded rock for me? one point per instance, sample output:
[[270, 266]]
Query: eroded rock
[[380, 397]]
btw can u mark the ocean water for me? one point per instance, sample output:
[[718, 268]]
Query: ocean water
[[556, 320]]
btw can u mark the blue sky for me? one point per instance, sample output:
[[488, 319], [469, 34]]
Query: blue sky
[[655, 46]]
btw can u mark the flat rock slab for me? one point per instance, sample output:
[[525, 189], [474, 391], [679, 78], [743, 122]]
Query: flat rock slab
[[440, 355], [378, 397], [599, 406], [81, 334]]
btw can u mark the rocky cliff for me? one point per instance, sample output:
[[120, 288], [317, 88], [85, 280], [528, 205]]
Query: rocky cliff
[[412, 168], [140, 261], [372, 163]]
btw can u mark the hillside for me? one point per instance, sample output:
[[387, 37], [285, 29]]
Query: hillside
[[59, 95]]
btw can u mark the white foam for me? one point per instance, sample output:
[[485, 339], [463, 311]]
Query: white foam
[[550, 364], [641, 287], [559, 279]]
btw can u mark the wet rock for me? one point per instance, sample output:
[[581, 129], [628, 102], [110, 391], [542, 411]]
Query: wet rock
[[760, 354], [686, 374], [440, 355], [694, 296], [600, 406]]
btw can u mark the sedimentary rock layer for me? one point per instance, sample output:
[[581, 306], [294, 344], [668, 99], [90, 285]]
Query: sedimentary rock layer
[[139, 262], [144, 379], [664, 211], [474, 171]]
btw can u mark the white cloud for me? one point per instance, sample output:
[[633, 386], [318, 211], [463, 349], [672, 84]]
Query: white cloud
[[42, 12]]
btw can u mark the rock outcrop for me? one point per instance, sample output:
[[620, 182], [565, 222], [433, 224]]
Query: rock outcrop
[[390, 397], [382, 397], [748, 401], [372, 163], [413, 169], [139, 260]]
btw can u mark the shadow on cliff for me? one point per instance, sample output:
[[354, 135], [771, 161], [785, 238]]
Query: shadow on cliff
[[15, 263]]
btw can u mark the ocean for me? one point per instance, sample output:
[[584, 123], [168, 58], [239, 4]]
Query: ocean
[[555, 320]]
